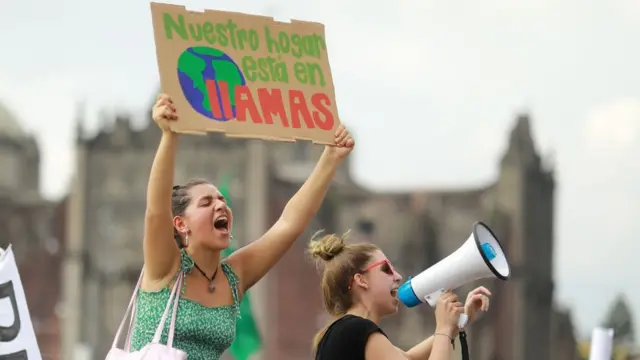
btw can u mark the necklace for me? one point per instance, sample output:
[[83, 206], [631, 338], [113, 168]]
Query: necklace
[[211, 279]]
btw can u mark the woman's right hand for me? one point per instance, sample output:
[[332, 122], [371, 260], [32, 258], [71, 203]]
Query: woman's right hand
[[163, 112], [448, 310]]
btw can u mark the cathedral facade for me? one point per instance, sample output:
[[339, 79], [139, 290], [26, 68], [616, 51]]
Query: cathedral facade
[[106, 206]]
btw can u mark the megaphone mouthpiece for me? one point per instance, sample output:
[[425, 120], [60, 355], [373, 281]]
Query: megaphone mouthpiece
[[481, 256]]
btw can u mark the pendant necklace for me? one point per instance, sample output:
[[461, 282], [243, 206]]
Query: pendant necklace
[[211, 279]]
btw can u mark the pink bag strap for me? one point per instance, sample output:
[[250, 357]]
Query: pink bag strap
[[175, 292], [177, 287], [134, 296]]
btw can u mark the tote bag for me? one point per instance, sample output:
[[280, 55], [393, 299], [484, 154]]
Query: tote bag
[[154, 350]]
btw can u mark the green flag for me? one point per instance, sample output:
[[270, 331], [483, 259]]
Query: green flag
[[247, 341]]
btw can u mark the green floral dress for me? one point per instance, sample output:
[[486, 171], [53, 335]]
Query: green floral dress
[[203, 333]]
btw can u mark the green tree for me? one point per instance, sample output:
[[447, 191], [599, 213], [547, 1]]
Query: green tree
[[620, 319], [247, 341]]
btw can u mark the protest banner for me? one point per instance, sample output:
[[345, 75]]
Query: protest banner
[[245, 75], [17, 338]]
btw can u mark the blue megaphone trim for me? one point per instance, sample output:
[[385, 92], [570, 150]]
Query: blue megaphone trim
[[407, 295]]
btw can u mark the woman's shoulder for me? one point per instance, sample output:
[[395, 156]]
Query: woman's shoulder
[[355, 325], [347, 338], [228, 269]]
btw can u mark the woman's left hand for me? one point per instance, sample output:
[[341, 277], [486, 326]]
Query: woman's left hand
[[344, 143], [477, 301]]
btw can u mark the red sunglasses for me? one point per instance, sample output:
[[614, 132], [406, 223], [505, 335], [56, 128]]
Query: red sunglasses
[[385, 266]]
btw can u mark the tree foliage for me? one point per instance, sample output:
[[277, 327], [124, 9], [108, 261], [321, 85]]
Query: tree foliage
[[620, 319]]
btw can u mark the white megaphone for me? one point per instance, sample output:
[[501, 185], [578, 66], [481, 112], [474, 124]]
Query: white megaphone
[[481, 256]]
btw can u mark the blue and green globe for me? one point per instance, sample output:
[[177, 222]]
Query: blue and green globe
[[198, 64]]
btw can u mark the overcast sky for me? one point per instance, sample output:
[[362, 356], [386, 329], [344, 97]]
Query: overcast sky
[[437, 81]]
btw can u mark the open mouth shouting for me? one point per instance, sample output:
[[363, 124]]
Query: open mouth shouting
[[394, 292], [221, 224]]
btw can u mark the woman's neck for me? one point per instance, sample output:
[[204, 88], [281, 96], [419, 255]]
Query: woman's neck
[[208, 260], [362, 311]]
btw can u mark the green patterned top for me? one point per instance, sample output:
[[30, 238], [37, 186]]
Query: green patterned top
[[204, 333]]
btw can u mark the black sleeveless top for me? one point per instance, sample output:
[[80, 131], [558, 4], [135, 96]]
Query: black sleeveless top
[[346, 339]]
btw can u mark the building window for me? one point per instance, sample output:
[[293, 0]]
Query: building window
[[366, 229]]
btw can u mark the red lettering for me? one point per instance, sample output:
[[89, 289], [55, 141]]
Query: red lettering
[[225, 99], [322, 116], [298, 106], [212, 91], [244, 103], [271, 104]]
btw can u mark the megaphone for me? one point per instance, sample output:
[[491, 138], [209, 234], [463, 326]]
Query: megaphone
[[481, 256]]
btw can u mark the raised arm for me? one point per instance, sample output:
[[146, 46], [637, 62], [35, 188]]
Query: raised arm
[[160, 251], [253, 261]]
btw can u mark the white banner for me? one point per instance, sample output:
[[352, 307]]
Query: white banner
[[17, 338], [601, 344]]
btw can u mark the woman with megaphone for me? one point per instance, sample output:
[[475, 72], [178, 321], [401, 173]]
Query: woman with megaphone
[[360, 287]]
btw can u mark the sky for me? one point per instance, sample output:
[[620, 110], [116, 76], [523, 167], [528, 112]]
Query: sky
[[441, 81]]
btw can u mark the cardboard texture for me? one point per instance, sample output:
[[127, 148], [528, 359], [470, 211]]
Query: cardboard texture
[[245, 75]]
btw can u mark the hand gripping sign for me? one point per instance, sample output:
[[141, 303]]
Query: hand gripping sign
[[17, 338]]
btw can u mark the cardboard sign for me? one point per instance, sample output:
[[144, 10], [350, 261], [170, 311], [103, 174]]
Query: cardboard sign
[[17, 338], [245, 75]]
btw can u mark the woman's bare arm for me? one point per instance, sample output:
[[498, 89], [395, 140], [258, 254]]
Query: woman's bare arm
[[380, 348], [422, 351], [160, 251], [253, 261]]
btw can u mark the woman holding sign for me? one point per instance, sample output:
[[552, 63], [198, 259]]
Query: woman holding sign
[[196, 217], [360, 287]]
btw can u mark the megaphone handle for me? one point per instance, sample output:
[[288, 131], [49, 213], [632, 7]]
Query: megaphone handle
[[462, 320]]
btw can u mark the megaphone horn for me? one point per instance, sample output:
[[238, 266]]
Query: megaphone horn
[[481, 256]]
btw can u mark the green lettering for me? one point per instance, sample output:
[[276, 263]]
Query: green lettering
[[309, 73], [272, 44], [281, 73], [309, 45], [319, 43], [263, 65], [171, 26], [249, 67], [242, 38], [223, 39], [254, 40], [300, 72], [207, 30], [295, 44], [195, 31], [285, 44], [315, 73], [231, 28], [224, 34], [248, 36], [266, 69], [296, 49]]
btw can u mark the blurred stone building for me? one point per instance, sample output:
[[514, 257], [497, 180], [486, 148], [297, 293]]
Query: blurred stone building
[[104, 243], [34, 227]]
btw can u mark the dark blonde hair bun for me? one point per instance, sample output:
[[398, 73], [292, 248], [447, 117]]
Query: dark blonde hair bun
[[326, 247], [339, 263]]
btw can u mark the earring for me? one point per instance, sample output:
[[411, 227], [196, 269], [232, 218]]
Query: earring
[[186, 239]]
